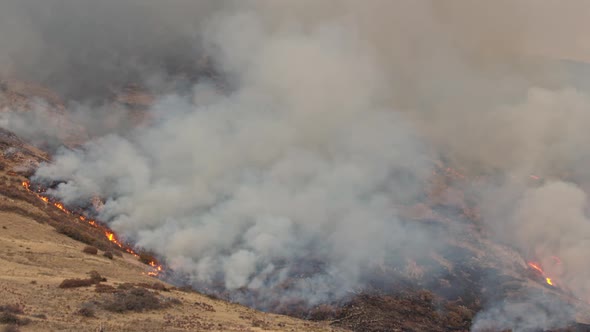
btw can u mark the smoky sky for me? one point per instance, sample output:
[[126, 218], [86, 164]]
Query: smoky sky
[[89, 49]]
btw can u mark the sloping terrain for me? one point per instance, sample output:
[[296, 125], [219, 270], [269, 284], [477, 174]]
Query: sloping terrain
[[51, 284], [41, 246], [36, 259]]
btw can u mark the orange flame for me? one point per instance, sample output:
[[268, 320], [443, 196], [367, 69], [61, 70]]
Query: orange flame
[[107, 232], [538, 268]]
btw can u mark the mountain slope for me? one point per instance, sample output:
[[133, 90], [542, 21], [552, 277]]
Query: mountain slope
[[35, 259]]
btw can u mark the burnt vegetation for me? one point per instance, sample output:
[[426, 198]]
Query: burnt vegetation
[[421, 311]]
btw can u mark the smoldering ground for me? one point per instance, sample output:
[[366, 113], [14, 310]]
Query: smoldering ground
[[336, 113]]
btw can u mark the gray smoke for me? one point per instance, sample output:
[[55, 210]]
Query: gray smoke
[[86, 49], [333, 114], [302, 160]]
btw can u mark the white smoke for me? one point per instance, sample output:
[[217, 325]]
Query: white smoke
[[327, 125], [303, 160]]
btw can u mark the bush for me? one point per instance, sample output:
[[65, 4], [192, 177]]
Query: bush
[[125, 286], [134, 299], [102, 288], [96, 277], [90, 250], [13, 308], [108, 254], [75, 283], [10, 318], [87, 310]]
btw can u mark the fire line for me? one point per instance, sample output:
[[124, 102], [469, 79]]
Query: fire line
[[538, 268], [109, 234]]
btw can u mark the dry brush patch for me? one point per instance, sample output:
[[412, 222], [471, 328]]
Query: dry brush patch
[[90, 250], [13, 308], [95, 278], [137, 299], [12, 319]]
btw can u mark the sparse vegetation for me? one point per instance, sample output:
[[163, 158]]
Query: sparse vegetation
[[13, 308], [10, 318], [125, 286], [86, 310], [155, 286], [40, 218], [75, 234], [108, 254], [102, 288], [78, 233], [96, 277], [90, 250]]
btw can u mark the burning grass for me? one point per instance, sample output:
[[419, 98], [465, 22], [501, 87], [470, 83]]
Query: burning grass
[[96, 235], [79, 234]]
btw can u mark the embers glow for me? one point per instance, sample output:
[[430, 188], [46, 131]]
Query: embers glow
[[110, 235]]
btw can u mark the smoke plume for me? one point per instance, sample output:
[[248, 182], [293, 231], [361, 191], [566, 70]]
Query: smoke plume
[[328, 123]]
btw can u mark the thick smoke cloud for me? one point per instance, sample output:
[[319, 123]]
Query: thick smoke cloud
[[302, 161], [332, 114], [86, 50]]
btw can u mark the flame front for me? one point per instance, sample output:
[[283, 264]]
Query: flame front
[[107, 232]]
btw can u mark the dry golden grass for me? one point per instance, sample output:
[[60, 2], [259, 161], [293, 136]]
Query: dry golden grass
[[35, 260]]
